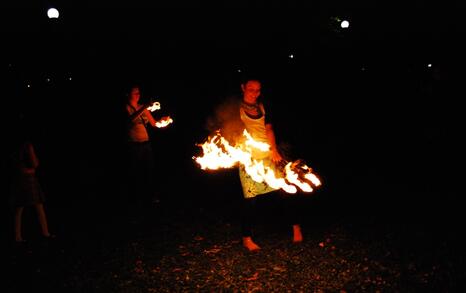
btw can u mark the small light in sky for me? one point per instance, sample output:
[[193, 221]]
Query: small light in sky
[[429, 65], [69, 78], [28, 85], [47, 79], [52, 13], [344, 24], [239, 70], [291, 56]]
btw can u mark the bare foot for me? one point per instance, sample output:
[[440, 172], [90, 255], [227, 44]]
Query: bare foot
[[249, 244], [297, 235]]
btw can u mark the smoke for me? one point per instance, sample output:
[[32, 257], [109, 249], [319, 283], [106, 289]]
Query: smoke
[[226, 118]]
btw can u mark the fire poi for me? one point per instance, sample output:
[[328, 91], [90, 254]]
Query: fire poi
[[289, 176], [161, 123]]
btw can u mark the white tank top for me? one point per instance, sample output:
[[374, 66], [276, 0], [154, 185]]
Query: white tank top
[[256, 128]]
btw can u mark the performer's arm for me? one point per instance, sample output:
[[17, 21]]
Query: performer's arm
[[276, 157], [138, 113]]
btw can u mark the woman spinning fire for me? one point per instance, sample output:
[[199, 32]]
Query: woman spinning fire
[[262, 169], [258, 124]]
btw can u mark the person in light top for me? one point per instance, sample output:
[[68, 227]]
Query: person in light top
[[141, 165], [256, 118]]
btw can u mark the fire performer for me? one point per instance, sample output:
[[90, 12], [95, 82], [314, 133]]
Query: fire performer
[[257, 122], [141, 165]]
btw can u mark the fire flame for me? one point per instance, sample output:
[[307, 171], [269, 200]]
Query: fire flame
[[154, 106], [218, 153], [164, 122], [161, 123]]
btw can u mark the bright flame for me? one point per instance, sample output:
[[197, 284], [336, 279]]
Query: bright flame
[[154, 106], [256, 144], [164, 122], [293, 178], [218, 153]]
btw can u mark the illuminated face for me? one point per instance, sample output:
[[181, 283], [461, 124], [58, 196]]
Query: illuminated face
[[251, 91], [134, 94]]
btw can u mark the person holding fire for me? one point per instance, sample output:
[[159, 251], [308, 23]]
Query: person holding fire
[[139, 148], [257, 121]]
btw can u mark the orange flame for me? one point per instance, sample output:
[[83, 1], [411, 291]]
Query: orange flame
[[218, 153], [164, 122], [154, 106]]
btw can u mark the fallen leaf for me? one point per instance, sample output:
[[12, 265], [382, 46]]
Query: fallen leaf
[[213, 250], [253, 277]]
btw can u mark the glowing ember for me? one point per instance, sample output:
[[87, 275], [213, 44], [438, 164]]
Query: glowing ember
[[164, 122], [218, 153], [154, 106]]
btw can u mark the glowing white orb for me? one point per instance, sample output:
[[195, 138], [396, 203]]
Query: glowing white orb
[[291, 56], [52, 13], [344, 24]]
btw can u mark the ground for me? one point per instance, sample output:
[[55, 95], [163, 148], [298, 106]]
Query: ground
[[190, 245]]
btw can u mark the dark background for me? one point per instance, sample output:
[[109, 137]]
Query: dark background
[[361, 106]]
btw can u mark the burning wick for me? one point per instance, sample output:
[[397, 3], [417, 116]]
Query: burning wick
[[218, 153], [154, 106], [163, 122]]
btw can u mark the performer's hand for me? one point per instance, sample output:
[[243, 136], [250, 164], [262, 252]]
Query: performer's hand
[[276, 157]]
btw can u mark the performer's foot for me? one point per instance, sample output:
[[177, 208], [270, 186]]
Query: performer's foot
[[297, 235], [249, 244]]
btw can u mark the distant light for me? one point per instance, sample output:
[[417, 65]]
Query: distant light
[[429, 65], [28, 85], [47, 79], [291, 56], [344, 24], [69, 78], [239, 70], [52, 13]]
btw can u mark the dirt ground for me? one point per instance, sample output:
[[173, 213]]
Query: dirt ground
[[194, 245]]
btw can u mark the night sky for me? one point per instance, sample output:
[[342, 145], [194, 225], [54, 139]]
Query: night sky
[[381, 95]]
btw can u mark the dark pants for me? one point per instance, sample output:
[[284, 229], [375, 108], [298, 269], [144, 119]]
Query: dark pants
[[289, 207], [140, 171]]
